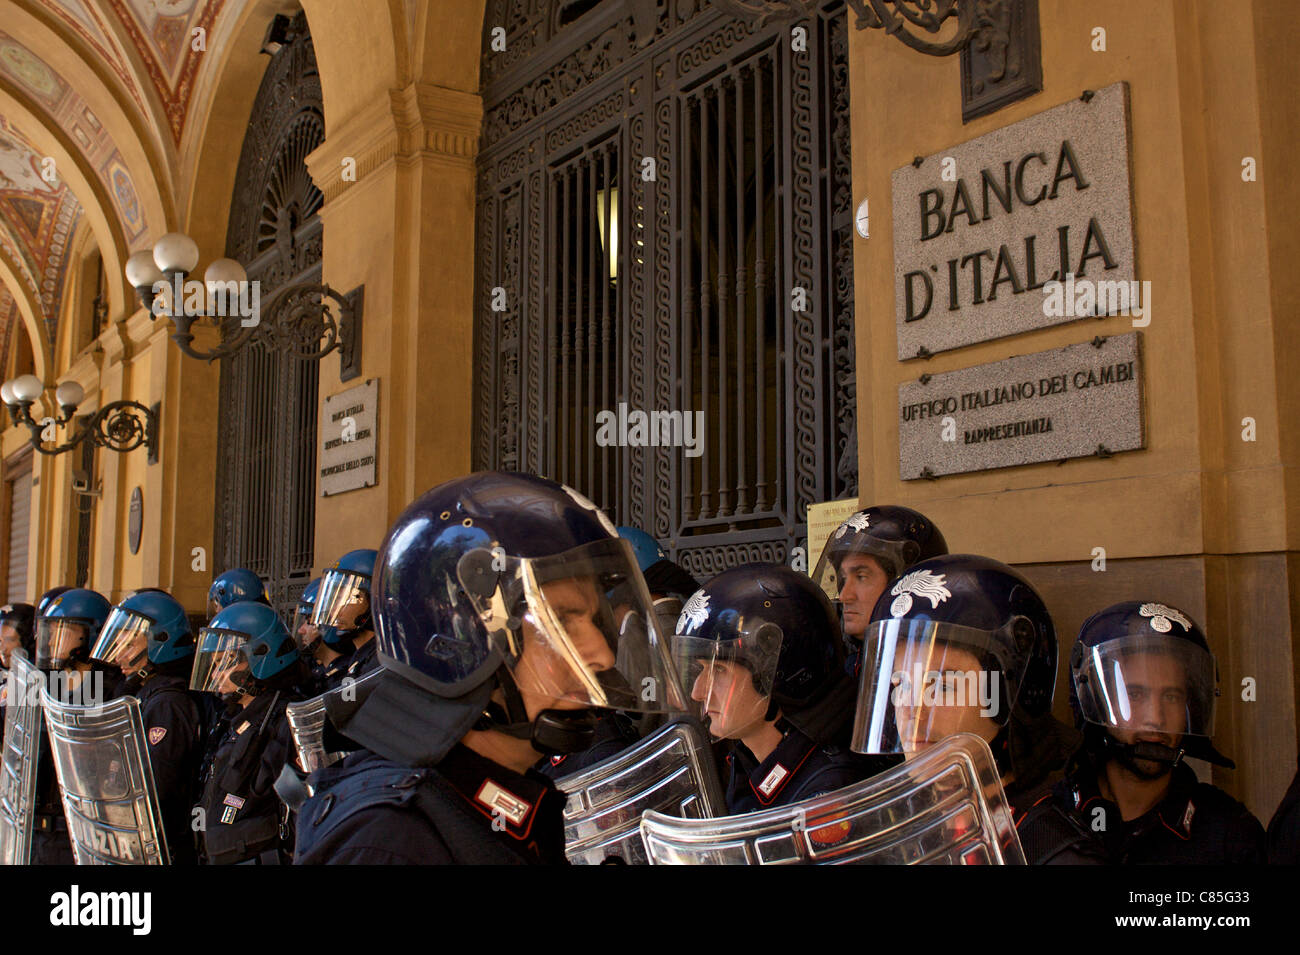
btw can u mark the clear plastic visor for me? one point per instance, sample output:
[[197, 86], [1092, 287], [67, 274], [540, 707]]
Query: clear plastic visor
[[922, 681], [124, 640], [729, 682], [217, 657], [56, 639], [1148, 683], [305, 633], [341, 600], [576, 629]]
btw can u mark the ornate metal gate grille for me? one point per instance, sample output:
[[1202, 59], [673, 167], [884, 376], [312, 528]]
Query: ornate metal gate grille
[[728, 290], [266, 505]]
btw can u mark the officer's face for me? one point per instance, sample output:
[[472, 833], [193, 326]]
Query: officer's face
[[65, 637], [862, 581], [9, 642], [946, 700], [353, 610], [731, 704], [1155, 690], [226, 686], [136, 655], [555, 669]]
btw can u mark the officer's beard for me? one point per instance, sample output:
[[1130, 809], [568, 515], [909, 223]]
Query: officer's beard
[[1145, 759]]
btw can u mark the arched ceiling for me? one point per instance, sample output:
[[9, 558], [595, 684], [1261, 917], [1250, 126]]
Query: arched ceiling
[[95, 94]]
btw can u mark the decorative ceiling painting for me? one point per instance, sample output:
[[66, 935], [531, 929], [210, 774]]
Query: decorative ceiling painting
[[71, 114], [37, 219], [88, 23], [162, 31]]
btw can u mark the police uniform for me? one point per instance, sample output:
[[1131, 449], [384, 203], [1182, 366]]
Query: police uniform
[[368, 810], [614, 733], [240, 808], [361, 662], [174, 730], [797, 769], [50, 841], [1195, 824], [329, 676]]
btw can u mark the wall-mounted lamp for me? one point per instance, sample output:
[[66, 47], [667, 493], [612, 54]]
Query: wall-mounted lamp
[[119, 426]]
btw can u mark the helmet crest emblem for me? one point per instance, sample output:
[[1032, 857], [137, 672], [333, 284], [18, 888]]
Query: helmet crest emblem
[[923, 583], [1161, 617], [583, 501], [695, 612], [857, 522]]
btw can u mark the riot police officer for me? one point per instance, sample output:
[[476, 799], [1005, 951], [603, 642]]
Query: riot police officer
[[323, 647], [237, 585], [148, 637], [17, 632], [497, 634], [1143, 688], [864, 554], [759, 650], [65, 631], [343, 603], [247, 656], [963, 643]]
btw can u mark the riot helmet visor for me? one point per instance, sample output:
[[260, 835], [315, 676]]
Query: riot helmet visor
[[57, 639], [123, 641], [1148, 682]]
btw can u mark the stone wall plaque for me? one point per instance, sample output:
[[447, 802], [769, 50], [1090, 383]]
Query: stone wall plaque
[[349, 437], [823, 518], [981, 228], [135, 520], [1069, 402]]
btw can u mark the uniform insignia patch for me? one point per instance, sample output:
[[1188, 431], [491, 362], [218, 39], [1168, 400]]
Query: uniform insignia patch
[[500, 800], [1187, 817], [239, 730], [233, 800], [923, 583], [228, 815], [156, 733], [694, 613], [773, 779], [1161, 617]]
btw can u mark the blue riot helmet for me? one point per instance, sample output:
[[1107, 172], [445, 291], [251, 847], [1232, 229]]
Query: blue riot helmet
[[243, 650], [47, 598], [867, 551], [1143, 686], [235, 586], [959, 643], [755, 640], [69, 627], [506, 602], [662, 575], [343, 600], [305, 632], [147, 632]]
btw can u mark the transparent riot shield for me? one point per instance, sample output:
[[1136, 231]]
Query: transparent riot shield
[[944, 807], [671, 772], [23, 738], [307, 723], [109, 796]]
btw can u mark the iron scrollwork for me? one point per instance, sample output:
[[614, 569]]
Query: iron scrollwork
[[118, 426]]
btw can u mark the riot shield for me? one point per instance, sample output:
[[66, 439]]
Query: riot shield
[[307, 723], [23, 732], [944, 807], [109, 795], [671, 772]]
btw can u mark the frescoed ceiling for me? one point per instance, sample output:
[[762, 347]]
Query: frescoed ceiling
[[112, 82], [37, 219], [163, 33]]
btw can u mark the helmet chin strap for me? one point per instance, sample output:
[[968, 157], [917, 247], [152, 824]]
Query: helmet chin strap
[[1128, 755], [553, 732]]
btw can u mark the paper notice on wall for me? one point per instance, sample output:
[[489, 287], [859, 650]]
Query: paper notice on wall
[[823, 519]]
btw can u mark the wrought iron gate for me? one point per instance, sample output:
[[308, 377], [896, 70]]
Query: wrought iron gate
[[664, 225], [266, 506]]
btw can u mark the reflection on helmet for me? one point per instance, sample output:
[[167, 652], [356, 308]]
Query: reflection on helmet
[[69, 626]]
